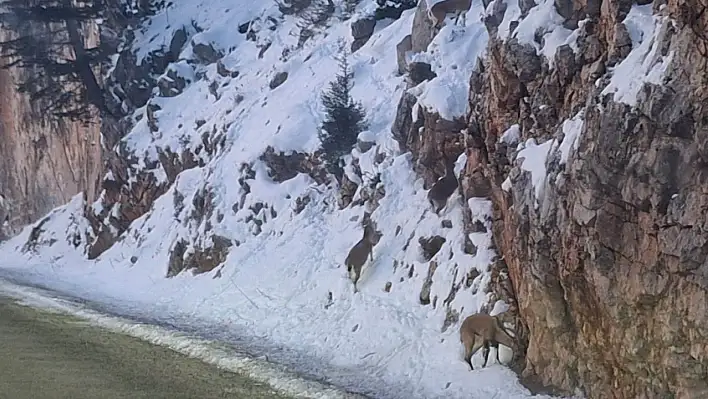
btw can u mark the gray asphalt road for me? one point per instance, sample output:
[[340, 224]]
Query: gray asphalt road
[[49, 356]]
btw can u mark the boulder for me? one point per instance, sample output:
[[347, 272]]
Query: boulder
[[278, 80], [206, 53], [402, 49]]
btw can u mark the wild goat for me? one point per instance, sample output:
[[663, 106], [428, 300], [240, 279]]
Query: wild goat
[[491, 332], [439, 11], [363, 249], [443, 188]]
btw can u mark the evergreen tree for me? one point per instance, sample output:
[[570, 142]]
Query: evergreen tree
[[344, 119], [48, 41]]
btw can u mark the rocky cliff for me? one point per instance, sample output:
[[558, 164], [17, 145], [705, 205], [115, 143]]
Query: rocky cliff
[[42, 163], [588, 128]]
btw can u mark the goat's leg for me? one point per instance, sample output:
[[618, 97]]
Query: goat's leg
[[468, 353], [495, 345], [485, 352], [464, 18]]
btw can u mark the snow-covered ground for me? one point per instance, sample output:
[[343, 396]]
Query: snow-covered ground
[[285, 290]]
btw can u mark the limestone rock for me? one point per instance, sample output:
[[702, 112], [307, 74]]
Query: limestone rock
[[179, 39], [362, 29], [419, 72], [422, 30], [431, 246], [223, 71], [278, 80], [402, 49], [206, 53], [171, 83], [392, 8]]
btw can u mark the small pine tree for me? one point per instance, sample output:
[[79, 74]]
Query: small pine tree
[[344, 119]]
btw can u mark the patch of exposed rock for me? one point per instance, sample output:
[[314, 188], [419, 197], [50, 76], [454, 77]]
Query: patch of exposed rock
[[282, 167]]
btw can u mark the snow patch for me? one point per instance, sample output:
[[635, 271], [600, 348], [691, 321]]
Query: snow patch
[[511, 135], [533, 158], [453, 55], [542, 18], [571, 136], [644, 64]]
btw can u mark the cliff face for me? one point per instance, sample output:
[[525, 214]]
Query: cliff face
[[607, 251], [595, 154], [42, 164]]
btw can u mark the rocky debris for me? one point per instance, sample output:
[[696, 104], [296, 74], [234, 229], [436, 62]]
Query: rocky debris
[[176, 262], [243, 28], [431, 246], [392, 8], [282, 167], [132, 82], [301, 203], [206, 53], [152, 121], [35, 236], [179, 39], [405, 125], [203, 260], [403, 48], [171, 83], [419, 72], [263, 48], [104, 237], [422, 31], [620, 46], [437, 143], [452, 316], [291, 7], [225, 72], [202, 205], [174, 163], [495, 18], [362, 29], [278, 80], [424, 296], [347, 190], [134, 199]]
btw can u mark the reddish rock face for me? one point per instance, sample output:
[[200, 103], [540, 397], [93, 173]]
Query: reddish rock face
[[42, 164]]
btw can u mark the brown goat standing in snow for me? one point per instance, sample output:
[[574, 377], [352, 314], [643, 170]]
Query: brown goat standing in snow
[[439, 11], [443, 188], [486, 330], [362, 250]]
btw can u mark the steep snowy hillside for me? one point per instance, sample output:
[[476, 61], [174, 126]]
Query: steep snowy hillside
[[266, 233]]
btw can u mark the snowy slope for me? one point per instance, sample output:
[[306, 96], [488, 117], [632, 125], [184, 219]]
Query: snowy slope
[[285, 290]]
